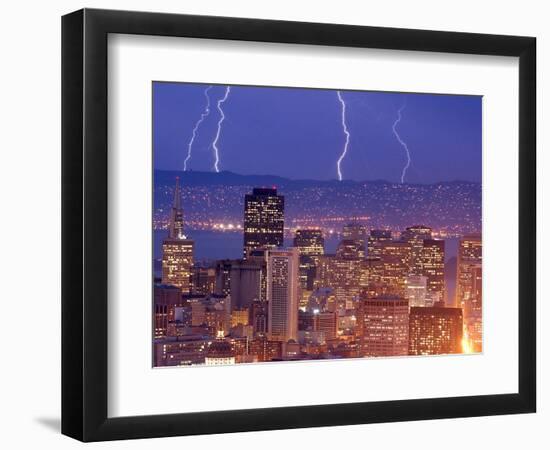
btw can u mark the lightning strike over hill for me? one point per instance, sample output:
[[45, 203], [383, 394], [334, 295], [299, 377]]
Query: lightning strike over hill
[[403, 144], [346, 132], [203, 116], [216, 139]]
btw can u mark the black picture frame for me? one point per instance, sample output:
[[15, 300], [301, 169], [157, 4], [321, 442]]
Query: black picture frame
[[84, 224]]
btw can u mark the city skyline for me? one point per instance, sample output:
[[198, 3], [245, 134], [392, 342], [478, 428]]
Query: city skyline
[[254, 269]]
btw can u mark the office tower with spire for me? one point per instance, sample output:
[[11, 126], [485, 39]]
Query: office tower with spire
[[177, 249], [263, 219]]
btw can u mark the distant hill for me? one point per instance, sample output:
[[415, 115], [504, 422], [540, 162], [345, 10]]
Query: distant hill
[[198, 178]]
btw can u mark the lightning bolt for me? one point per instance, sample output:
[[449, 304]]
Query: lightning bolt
[[204, 115], [403, 144], [346, 132], [222, 118]]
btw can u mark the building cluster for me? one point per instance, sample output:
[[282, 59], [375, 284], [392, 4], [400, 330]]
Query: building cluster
[[379, 294]]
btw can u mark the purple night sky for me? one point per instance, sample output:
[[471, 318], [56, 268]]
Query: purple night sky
[[298, 133]]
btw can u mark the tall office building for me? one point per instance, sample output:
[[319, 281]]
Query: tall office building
[[433, 268], [241, 279], [473, 311], [283, 294], [383, 326], [166, 299], [177, 249], [246, 277], [350, 249], [311, 245], [203, 280], [372, 273], [343, 278], [415, 236], [258, 317], [375, 238], [355, 231], [469, 257], [469, 287], [416, 287], [223, 277], [435, 330], [263, 219], [396, 261]]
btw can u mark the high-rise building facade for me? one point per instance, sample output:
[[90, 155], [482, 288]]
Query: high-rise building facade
[[342, 277], [245, 284], [282, 294], [241, 280], [311, 245], [350, 249], [263, 219], [177, 249], [383, 326], [355, 231], [416, 289], [415, 236], [396, 260], [433, 268], [435, 330], [166, 299], [375, 238], [473, 311], [469, 257], [203, 280]]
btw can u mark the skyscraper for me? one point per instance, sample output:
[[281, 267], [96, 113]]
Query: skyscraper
[[166, 299], [416, 287], [433, 268], [310, 244], [177, 249], [356, 232], [245, 283], [263, 219], [376, 237], [415, 236], [435, 330], [384, 326], [473, 311], [469, 257], [342, 277], [469, 287], [396, 260], [282, 294], [350, 249]]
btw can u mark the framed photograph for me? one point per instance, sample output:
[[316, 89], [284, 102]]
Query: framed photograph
[[273, 224]]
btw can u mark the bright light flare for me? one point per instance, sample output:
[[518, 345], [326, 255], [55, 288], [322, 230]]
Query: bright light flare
[[466, 342]]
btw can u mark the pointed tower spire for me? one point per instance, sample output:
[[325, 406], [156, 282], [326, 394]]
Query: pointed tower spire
[[176, 215], [177, 195]]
